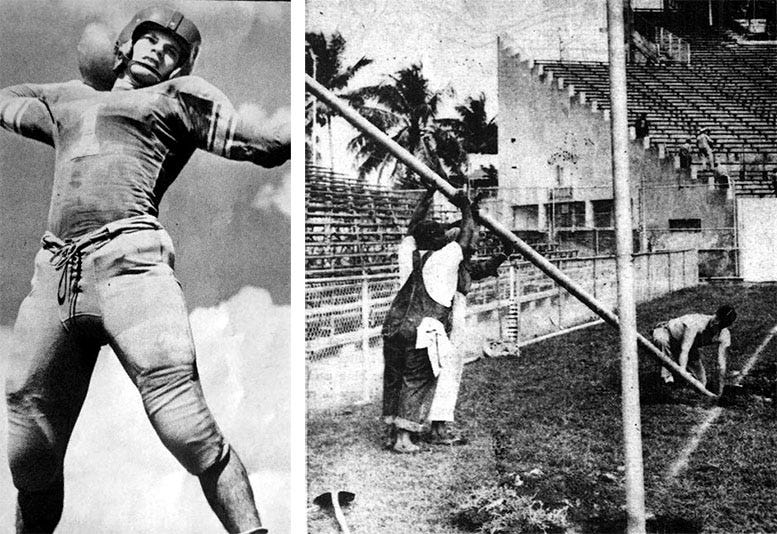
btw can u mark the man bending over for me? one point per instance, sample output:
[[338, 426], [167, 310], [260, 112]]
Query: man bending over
[[682, 337]]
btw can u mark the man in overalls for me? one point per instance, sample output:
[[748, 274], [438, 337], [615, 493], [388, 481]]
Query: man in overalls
[[428, 269]]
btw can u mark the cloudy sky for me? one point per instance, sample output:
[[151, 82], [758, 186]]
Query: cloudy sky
[[456, 40], [230, 225]]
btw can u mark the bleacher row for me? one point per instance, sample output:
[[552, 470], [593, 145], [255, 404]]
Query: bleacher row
[[678, 102], [352, 228], [747, 182], [728, 88]]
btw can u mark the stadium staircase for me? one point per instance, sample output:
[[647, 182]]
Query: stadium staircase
[[352, 228]]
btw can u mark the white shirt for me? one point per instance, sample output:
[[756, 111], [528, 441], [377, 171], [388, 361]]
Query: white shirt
[[440, 272], [692, 326]]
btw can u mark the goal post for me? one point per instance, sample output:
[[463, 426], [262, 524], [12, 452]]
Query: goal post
[[431, 178], [630, 408]]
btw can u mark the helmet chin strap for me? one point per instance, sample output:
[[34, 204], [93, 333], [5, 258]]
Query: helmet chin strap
[[157, 75]]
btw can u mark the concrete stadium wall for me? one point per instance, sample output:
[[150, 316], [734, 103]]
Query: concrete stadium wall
[[758, 240], [546, 124], [542, 126], [347, 369], [714, 208]]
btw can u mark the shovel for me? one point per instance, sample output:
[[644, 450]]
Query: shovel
[[333, 500]]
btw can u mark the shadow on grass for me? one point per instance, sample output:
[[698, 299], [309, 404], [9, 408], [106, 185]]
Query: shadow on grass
[[655, 525]]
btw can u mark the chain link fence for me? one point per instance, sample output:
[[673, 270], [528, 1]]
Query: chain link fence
[[344, 315]]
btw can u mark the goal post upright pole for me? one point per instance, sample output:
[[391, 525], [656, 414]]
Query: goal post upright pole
[[627, 310], [430, 177]]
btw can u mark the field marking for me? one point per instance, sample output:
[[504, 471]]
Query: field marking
[[713, 413]]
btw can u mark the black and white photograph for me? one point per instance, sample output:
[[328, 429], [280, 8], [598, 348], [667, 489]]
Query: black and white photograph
[[539, 277], [145, 311]]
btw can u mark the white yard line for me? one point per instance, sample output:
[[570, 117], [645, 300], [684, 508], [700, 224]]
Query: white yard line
[[712, 414]]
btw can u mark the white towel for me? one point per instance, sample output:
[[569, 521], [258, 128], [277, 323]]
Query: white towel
[[431, 336]]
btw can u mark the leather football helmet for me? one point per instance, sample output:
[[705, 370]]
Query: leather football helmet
[[183, 29]]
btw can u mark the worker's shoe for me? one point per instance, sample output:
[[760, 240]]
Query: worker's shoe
[[405, 448], [441, 435]]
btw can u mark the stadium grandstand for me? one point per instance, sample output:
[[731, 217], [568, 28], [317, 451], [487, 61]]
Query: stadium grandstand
[[353, 228], [690, 70]]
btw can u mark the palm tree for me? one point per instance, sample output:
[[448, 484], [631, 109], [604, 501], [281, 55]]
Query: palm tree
[[324, 62], [406, 109], [478, 133]]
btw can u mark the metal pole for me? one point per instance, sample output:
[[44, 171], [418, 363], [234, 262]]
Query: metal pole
[[632, 426], [366, 306], [642, 218], [531, 255]]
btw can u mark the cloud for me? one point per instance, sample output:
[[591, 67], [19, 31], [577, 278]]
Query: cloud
[[277, 195], [258, 115], [120, 477]]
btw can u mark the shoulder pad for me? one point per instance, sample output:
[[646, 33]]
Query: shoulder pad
[[194, 86]]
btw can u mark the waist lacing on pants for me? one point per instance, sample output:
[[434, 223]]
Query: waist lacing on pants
[[69, 253]]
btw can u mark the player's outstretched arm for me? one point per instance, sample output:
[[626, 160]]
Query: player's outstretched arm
[[24, 113], [262, 144], [215, 125]]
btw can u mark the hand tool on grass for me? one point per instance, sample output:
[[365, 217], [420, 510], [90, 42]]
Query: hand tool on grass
[[334, 500]]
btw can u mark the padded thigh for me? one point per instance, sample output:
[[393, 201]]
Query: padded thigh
[[49, 370]]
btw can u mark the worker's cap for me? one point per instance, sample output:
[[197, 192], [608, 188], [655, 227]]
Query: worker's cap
[[726, 315]]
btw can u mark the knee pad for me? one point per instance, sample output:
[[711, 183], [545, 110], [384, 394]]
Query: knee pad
[[220, 463], [176, 407], [198, 456]]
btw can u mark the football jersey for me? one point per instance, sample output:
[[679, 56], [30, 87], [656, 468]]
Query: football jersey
[[117, 152]]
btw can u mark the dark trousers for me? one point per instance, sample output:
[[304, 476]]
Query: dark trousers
[[408, 385]]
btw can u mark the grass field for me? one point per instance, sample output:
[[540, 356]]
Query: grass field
[[546, 425]]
